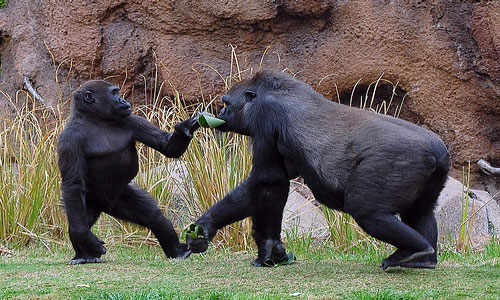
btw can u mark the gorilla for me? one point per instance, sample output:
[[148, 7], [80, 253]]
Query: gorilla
[[369, 165], [97, 161]]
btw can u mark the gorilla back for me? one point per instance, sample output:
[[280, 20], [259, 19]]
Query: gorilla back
[[98, 159], [369, 165]]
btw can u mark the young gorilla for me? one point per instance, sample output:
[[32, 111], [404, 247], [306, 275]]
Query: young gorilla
[[98, 159], [369, 165]]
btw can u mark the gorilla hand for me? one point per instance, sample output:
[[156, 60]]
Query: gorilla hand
[[189, 126], [183, 251], [198, 242]]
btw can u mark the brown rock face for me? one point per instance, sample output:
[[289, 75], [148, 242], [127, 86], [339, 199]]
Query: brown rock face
[[444, 54]]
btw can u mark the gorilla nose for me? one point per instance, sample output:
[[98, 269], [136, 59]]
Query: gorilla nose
[[225, 99], [124, 104]]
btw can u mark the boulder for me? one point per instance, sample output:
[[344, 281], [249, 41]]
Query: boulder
[[483, 213], [301, 217]]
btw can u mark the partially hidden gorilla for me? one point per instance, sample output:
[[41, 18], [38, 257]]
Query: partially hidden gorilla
[[369, 165], [98, 159]]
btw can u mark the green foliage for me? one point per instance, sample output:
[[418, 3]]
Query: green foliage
[[463, 242], [29, 185], [385, 295], [2, 5], [492, 248], [144, 273], [162, 294]]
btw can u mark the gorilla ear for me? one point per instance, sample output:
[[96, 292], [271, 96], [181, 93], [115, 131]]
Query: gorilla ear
[[89, 97], [250, 95], [275, 82]]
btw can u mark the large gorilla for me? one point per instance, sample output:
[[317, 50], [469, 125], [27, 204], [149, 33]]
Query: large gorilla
[[369, 165], [98, 159]]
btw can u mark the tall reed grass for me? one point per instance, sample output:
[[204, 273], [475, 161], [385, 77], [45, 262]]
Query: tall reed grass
[[29, 177], [463, 241], [30, 206]]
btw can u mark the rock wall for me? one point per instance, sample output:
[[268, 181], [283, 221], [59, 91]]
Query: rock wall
[[443, 53]]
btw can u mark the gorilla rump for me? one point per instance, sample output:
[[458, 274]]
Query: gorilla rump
[[369, 165], [98, 159]]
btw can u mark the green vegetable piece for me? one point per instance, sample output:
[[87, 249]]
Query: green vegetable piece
[[209, 121], [194, 231], [290, 258]]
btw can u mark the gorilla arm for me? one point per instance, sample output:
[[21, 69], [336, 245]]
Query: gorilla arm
[[169, 144]]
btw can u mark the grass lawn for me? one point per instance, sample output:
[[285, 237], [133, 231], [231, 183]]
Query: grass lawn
[[132, 273]]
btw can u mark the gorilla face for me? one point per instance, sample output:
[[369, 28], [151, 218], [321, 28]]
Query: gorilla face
[[258, 106], [239, 102], [101, 99]]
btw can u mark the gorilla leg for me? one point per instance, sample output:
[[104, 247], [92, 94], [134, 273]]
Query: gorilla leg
[[88, 247], [387, 228], [264, 202], [364, 206], [233, 207], [426, 225], [268, 205], [373, 201], [421, 218], [137, 206]]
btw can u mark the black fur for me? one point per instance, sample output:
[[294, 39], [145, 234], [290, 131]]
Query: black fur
[[98, 159], [368, 165]]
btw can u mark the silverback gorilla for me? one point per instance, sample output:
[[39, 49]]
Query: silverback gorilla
[[369, 165], [98, 159]]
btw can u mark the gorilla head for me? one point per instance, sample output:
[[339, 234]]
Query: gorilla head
[[269, 96], [100, 99]]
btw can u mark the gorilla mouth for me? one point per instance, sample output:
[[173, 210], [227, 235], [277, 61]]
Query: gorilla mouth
[[125, 111], [223, 115], [222, 112]]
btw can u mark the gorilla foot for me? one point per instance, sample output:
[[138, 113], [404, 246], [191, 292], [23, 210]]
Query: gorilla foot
[[420, 264], [404, 256], [85, 260], [429, 262], [272, 253], [258, 263], [184, 254]]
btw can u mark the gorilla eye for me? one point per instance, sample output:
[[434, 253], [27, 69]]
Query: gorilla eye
[[89, 97], [250, 95]]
